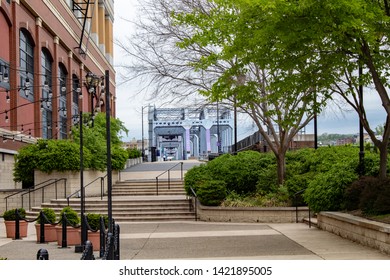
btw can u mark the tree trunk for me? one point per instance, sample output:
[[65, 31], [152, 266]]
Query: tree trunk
[[281, 164]]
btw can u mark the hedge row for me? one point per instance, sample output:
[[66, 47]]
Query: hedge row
[[322, 175]]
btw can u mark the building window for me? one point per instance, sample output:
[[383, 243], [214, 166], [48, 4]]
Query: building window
[[62, 102], [76, 91], [4, 74], [47, 94], [26, 52]]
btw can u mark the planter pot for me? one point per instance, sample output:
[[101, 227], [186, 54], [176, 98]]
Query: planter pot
[[50, 232], [10, 228], [72, 236], [94, 237]]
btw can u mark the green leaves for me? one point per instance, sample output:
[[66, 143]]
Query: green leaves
[[95, 142], [46, 156], [64, 155]]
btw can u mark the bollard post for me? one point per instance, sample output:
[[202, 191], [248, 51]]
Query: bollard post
[[102, 237], [64, 237], [116, 243], [17, 225], [42, 228], [88, 251], [42, 254], [110, 246]]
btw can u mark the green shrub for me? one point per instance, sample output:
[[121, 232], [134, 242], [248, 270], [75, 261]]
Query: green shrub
[[71, 215], [46, 156], [10, 215], [118, 158], [93, 220], [133, 153], [50, 215], [267, 180], [375, 197], [195, 177], [212, 193], [241, 172], [324, 174], [326, 191]]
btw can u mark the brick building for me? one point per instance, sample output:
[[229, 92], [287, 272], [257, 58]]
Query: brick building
[[49, 50]]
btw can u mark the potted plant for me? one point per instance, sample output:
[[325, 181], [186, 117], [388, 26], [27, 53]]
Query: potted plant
[[9, 217], [49, 223], [72, 228], [93, 221]]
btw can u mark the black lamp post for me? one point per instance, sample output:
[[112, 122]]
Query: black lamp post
[[91, 83], [142, 143], [361, 128], [109, 166], [84, 237], [218, 132]]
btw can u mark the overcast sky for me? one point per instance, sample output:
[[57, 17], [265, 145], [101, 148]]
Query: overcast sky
[[129, 105]]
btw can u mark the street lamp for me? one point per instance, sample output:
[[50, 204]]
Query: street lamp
[[218, 139], [143, 145], [361, 128], [109, 166], [92, 81]]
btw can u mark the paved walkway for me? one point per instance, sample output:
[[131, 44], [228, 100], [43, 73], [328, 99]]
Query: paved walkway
[[202, 240]]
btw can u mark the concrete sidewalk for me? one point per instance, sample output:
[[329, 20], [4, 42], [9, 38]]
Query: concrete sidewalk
[[202, 240]]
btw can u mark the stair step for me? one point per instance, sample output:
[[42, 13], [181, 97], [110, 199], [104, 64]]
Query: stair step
[[129, 205]]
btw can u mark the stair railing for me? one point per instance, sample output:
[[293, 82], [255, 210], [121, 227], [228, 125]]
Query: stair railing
[[169, 175], [195, 205], [296, 207], [90, 183], [41, 186]]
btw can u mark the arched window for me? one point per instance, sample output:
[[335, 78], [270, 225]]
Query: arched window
[[26, 54], [62, 126], [47, 94]]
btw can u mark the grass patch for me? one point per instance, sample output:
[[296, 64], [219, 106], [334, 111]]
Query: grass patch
[[278, 199]]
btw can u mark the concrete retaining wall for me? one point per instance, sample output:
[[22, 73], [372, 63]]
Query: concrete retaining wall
[[60, 190], [73, 181], [7, 163], [364, 231], [133, 161], [251, 214]]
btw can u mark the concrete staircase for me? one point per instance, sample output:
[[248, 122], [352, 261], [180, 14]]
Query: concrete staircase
[[133, 201], [148, 187]]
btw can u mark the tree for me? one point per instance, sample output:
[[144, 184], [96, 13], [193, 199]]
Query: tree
[[333, 40], [95, 139], [163, 70], [213, 55]]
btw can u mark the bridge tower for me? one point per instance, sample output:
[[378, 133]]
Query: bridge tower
[[184, 133]]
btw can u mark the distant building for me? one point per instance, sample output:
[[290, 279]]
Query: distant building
[[346, 141], [136, 144], [257, 142]]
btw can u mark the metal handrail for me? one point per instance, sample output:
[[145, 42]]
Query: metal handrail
[[90, 183], [296, 207], [24, 191], [43, 192], [196, 203], [169, 175], [21, 191]]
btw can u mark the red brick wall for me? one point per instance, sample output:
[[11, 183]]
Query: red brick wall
[[23, 15]]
